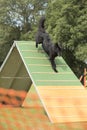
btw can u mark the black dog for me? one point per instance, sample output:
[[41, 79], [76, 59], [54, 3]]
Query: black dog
[[53, 50], [40, 32]]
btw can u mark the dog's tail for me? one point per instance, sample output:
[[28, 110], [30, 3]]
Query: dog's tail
[[41, 23]]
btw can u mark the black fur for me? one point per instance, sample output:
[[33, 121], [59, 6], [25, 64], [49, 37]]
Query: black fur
[[40, 32], [42, 37]]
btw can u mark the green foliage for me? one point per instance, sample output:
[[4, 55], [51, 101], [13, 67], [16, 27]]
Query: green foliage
[[17, 21], [28, 36], [67, 23], [7, 36]]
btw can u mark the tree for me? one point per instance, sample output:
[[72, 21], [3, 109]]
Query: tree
[[17, 21], [67, 23]]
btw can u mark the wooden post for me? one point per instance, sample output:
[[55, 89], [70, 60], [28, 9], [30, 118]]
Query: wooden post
[[84, 77]]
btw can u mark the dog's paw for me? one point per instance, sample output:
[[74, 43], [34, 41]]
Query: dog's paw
[[56, 70], [36, 45]]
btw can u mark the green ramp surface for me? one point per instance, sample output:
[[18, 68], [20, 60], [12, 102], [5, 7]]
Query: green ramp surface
[[40, 69]]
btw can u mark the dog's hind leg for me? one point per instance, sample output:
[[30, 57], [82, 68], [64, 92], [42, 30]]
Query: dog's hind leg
[[53, 65], [36, 45]]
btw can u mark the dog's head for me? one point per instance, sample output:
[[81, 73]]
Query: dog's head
[[58, 49]]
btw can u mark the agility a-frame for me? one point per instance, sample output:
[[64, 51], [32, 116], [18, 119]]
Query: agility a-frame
[[62, 95]]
